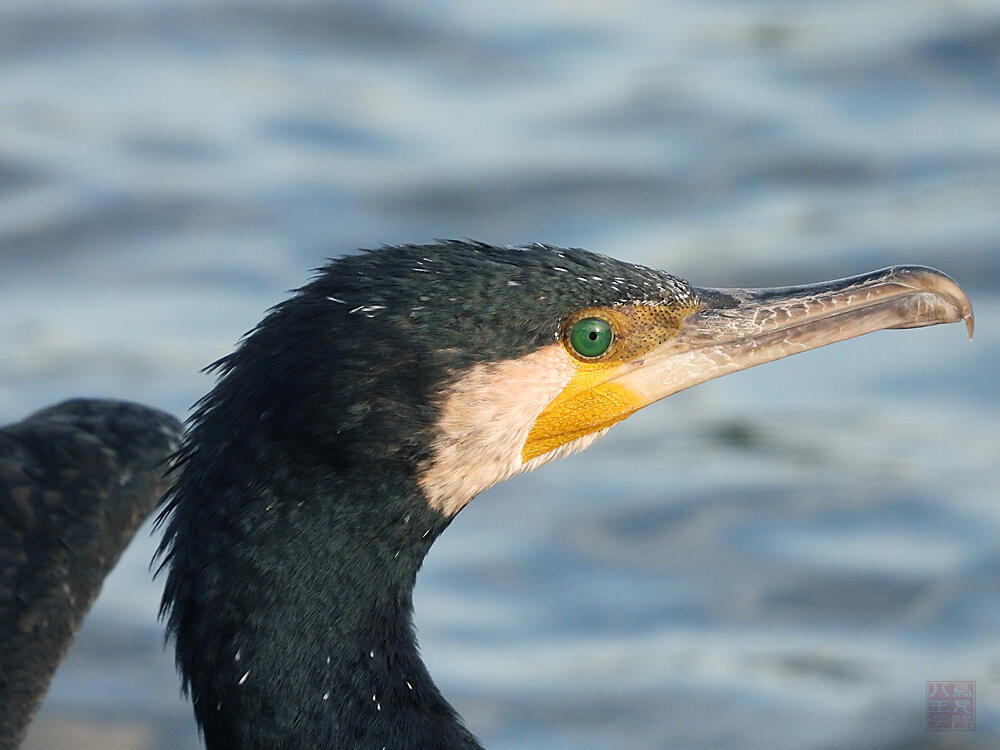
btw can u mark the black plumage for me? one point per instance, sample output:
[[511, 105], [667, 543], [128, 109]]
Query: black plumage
[[347, 429], [76, 481], [297, 527]]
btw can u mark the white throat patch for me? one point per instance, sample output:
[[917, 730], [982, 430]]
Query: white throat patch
[[486, 417]]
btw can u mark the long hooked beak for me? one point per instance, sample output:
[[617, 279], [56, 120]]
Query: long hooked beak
[[739, 328]]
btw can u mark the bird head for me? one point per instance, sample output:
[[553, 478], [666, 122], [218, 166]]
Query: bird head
[[353, 423], [469, 363]]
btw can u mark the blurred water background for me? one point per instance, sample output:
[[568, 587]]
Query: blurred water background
[[777, 559]]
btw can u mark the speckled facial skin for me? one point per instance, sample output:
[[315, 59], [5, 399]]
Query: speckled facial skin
[[638, 327], [591, 401]]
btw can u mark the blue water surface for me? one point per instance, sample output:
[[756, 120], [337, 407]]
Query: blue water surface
[[781, 558]]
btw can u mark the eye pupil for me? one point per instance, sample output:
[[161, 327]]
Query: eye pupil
[[591, 337]]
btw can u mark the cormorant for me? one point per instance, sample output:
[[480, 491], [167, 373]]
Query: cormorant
[[352, 424], [76, 481]]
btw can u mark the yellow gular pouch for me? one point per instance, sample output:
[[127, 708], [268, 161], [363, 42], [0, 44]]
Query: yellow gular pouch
[[592, 400]]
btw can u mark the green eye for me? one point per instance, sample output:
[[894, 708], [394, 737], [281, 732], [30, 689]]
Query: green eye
[[591, 337]]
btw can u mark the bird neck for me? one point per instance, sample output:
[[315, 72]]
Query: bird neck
[[293, 618]]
